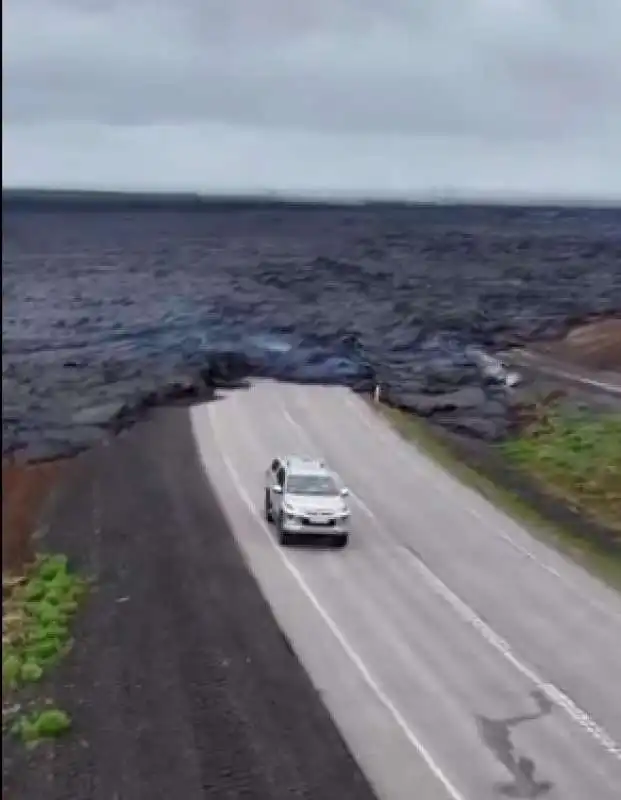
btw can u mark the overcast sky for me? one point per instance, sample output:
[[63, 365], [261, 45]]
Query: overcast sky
[[358, 97]]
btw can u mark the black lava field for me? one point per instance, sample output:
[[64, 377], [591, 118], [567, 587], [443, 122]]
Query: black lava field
[[110, 308]]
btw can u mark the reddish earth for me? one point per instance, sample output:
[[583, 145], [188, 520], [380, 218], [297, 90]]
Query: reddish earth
[[595, 346], [25, 490]]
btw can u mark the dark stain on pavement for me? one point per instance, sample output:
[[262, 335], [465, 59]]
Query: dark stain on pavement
[[496, 734]]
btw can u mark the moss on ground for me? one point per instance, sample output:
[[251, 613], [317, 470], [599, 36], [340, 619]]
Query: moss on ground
[[37, 613], [576, 456], [45, 723]]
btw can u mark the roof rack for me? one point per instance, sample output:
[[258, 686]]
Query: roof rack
[[320, 461]]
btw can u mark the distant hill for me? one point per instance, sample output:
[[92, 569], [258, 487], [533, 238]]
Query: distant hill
[[83, 199], [99, 199]]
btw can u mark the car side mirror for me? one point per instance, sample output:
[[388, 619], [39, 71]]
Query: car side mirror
[[277, 488], [344, 491]]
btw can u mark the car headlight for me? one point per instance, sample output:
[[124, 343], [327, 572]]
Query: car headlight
[[288, 509]]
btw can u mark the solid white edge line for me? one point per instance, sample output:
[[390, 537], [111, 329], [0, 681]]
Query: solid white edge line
[[454, 793]]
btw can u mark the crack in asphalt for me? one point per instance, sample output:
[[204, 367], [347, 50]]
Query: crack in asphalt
[[496, 735]]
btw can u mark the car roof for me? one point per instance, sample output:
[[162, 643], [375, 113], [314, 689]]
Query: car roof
[[305, 465]]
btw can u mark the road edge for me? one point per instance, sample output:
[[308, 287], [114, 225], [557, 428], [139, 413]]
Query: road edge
[[546, 518]]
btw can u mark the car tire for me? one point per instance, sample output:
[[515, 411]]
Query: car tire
[[283, 536], [341, 540], [268, 507]]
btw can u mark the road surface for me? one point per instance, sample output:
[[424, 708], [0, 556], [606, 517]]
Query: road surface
[[459, 657], [542, 365]]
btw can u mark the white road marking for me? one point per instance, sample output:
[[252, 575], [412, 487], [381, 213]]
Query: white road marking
[[612, 388], [288, 417], [468, 615], [506, 537], [447, 486], [357, 661], [470, 508]]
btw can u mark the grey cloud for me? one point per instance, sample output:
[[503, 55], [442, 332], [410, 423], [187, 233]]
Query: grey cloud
[[496, 82]]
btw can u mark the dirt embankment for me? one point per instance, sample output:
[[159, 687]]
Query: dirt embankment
[[594, 346], [25, 490]]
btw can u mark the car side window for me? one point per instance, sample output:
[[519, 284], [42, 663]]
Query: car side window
[[275, 465], [280, 476]]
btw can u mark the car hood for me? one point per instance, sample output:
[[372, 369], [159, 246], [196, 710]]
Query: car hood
[[307, 504]]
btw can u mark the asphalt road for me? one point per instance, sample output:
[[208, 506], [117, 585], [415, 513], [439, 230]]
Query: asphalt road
[[541, 365], [459, 657]]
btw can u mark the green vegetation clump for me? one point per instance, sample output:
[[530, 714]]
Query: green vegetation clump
[[576, 456], [35, 634], [49, 723], [36, 618]]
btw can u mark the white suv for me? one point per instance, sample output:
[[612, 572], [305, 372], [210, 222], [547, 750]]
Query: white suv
[[306, 500]]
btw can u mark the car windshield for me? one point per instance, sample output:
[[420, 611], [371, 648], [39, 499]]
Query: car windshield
[[312, 484]]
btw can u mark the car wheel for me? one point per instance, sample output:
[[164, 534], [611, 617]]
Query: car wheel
[[341, 540], [283, 536], [268, 507]]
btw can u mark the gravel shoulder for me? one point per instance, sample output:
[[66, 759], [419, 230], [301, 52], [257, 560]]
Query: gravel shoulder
[[181, 683]]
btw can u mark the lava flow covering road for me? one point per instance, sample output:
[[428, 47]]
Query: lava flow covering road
[[111, 308]]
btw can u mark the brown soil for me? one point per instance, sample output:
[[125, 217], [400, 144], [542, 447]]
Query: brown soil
[[25, 489], [595, 345]]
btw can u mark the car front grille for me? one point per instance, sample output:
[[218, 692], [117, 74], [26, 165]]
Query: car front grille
[[328, 522]]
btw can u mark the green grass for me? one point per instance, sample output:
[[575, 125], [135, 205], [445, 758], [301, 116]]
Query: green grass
[[36, 619], [47, 723], [577, 457], [589, 554]]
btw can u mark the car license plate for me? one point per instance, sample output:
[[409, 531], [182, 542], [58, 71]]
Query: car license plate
[[319, 520]]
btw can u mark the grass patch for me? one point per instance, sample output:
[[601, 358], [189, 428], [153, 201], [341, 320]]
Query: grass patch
[[602, 562], [37, 613], [577, 457], [47, 723]]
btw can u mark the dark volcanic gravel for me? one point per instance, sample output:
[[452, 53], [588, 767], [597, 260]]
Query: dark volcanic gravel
[[180, 686], [110, 309]]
